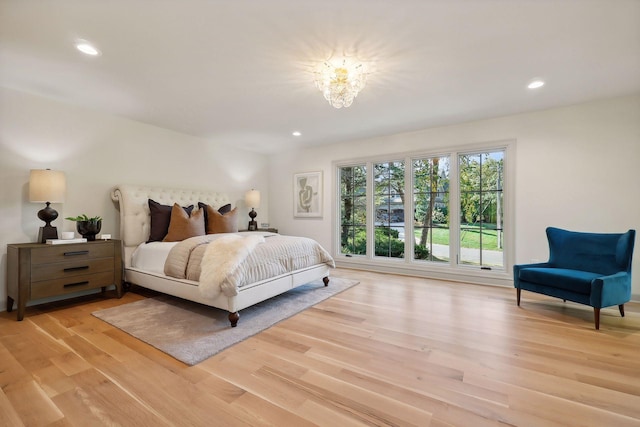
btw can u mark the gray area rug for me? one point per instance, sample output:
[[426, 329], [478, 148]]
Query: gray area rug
[[193, 332]]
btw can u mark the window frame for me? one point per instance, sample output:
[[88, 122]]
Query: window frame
[[452, 270], [339, 198], [459, 190], [371, 236], [413, 206]]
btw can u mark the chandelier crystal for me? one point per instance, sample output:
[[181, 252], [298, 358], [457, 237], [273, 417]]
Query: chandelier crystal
[[340, 81]]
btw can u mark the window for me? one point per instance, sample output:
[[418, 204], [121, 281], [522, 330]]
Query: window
[[431, 209], [353, 210], [389, 208], [481, 214], [426, 211]]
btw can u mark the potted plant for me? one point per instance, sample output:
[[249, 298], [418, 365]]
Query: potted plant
[[87, 227]]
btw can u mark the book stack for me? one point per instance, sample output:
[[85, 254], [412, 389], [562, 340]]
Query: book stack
[[65, 241]]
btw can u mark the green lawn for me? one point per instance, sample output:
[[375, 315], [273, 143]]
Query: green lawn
[[470, 237]]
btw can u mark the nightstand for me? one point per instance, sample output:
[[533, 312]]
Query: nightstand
[[37, 270], [271, 230]]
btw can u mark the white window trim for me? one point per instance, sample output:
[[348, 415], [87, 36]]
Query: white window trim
[[447, 271]]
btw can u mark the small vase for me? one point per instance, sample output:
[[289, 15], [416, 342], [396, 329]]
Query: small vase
[[89, 229]]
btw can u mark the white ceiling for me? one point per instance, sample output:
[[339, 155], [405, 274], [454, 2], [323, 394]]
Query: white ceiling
[[239, 71]]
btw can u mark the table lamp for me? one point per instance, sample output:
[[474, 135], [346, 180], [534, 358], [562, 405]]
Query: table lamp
[[47, 186], [252, 199]]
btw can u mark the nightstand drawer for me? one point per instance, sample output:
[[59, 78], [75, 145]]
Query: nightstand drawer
[[68, 285], [72, 268], [79, 251]]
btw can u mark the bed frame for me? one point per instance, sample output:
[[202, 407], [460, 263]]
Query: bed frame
[[135, 225]]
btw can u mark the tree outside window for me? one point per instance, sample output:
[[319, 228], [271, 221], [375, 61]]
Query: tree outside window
[[431, 209], [389, 209], [481, 208], [353, 210]]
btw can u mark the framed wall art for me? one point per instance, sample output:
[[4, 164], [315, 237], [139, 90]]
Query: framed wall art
[[307, 195]]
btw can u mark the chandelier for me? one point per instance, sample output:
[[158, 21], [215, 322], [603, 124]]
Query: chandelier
[[340, 81]]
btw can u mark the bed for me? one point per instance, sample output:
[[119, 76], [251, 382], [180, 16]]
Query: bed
[[143, 261]]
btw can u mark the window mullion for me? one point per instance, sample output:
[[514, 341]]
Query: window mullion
[[409, 235], [454, 210], [371, 212], [481, 191]]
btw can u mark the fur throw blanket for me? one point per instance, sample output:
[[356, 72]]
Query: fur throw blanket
[[221, 259]]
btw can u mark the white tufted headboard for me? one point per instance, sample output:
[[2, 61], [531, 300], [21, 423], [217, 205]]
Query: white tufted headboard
[[135, 219]]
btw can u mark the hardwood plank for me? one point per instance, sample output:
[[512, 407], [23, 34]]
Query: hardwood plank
[[32, 349], [8, 415], [50, 326], [53, 381], [358, 402], [220, 388], [266, 413], [11, 371], [172, 397], [32, 404], [98, 401]]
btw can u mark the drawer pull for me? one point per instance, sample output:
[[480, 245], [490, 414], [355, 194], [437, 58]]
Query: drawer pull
[[76, 253], [84, 267], [70, 285]]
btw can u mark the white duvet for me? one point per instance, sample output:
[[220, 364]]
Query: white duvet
[[232, 261], [238, 259], [151, 256], [221, 261]]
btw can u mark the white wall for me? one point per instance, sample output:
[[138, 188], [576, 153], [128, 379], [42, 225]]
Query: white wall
[[577, 167], [97, 151]]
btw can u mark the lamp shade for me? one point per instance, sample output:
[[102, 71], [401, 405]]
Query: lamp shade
[[252, 198], [46, 185]]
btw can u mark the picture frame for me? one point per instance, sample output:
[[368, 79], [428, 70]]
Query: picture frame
[[307, 195]]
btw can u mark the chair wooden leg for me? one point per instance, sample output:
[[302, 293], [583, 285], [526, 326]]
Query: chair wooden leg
[[621, 308], [596, 317], [518, 296]]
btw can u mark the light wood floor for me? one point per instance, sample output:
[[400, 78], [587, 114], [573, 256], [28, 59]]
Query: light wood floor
[[391, 351]]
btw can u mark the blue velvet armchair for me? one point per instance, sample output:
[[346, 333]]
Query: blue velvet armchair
[[587, 268]]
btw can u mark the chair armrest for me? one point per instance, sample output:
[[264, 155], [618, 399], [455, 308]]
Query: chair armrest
[[518, 267], [611, 290]]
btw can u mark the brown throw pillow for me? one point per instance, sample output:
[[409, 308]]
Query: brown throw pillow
[[222, 209], [183, 226], [160, 219], [219, 223]]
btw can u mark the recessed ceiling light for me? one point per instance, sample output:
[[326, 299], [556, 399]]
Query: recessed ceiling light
[[87, 48], [535, 84], [296, 133]]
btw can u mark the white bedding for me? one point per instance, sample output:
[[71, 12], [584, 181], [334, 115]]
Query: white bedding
[[151, 256], [226, 262]]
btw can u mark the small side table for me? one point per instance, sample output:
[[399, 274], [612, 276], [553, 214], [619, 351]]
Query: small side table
[[39, 270], [271, 230]]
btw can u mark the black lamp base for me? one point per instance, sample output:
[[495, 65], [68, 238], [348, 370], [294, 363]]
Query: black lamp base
[[47, 214], [253, 224], [47, 232]]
